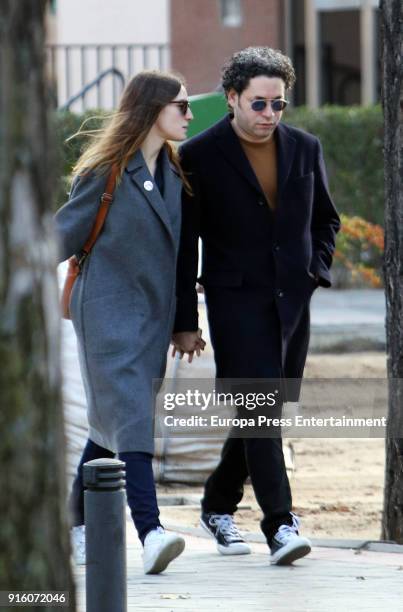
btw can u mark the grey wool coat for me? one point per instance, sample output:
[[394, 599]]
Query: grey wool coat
[[123, 303]]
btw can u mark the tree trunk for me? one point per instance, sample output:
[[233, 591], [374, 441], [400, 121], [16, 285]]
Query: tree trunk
[[392, 99], [34, 547]]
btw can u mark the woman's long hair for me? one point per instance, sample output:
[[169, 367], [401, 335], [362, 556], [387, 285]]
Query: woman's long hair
[[142, 100]]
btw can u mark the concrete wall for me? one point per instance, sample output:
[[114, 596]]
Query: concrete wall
[[112, 21]]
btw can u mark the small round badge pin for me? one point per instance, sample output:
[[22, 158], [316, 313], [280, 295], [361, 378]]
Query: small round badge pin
[[148, 186]]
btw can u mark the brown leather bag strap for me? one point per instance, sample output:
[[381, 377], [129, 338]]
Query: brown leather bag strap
[[106, 200]]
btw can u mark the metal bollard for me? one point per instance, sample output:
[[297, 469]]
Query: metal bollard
[[105, 535]]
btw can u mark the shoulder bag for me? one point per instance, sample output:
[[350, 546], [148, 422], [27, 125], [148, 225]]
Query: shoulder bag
[[76, 262]]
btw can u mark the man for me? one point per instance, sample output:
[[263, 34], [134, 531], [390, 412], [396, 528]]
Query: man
[[262, 208]]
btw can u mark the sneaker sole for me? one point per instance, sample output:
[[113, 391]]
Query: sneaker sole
[[236, 549], [166, 555], [286, 556]]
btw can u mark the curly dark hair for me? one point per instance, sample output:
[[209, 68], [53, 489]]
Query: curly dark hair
[[256, 61]]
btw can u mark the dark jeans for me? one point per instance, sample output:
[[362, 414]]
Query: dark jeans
[[246, 336], [140, 488]]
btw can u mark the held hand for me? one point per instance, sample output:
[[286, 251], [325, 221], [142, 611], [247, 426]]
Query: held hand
[[188, 342]]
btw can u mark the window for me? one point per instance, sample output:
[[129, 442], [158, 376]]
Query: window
[[231, 13]]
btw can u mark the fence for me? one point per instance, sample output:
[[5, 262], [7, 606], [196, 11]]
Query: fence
[[72, 67]]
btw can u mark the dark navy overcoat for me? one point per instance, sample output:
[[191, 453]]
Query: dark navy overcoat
[[245, 243]]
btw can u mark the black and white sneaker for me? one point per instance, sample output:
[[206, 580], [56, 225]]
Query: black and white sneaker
[[287, 545], [223, 529]]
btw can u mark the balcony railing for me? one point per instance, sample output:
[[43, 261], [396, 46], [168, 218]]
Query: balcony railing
[[72, 67]]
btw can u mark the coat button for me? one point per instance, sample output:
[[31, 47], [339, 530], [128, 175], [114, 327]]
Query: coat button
[[276, 247], [280, 293], [260, 202]]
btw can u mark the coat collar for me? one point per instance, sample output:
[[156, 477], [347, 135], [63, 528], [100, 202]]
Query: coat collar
[[140, 175], [232, 149], [137, 161]]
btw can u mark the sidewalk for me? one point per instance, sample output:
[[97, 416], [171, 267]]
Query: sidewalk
[[327, 580], [347, 320], [342, 320], [336, 577]]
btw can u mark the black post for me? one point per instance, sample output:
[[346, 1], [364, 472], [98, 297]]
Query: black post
[[105, 535]]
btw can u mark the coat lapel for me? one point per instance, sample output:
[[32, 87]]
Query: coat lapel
[[140, 175], [231, 148], [172, 194], [285, 157], [172, 183]]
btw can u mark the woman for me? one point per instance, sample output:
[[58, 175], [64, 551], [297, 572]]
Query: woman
[[123, 303]]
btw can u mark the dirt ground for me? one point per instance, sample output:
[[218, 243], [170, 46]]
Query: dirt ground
[[337, 484]]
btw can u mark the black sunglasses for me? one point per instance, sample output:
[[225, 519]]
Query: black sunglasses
[[184, 105], [276, 105]]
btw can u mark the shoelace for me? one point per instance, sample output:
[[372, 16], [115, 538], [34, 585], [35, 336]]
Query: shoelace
[[285, 531], [225, 524], [155, 533]]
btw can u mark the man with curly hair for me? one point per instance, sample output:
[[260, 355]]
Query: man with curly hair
[[262, 208]]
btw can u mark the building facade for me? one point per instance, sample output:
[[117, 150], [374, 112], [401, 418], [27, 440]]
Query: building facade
[[204, 33], [88, 38], [99, 45]]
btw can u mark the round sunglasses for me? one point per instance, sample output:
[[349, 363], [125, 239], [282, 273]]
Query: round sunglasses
[[277, 105], [183, 105]]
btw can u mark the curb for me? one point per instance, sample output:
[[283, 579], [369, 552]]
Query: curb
[[258, 538]]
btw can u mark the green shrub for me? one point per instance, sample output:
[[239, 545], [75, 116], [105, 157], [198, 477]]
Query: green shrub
[[351, 139], [66, 124], [359, 254]]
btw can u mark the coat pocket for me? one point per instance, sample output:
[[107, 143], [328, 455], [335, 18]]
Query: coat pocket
[[112, 323], [301, 186], [303, 178]]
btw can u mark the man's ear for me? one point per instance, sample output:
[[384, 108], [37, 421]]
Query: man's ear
[[232, 98]]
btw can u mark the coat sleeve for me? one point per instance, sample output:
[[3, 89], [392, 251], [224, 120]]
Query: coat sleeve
[[74, 220], [188, 258], [325, 224]]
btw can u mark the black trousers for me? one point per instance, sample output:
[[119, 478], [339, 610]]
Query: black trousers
[[245, 333]]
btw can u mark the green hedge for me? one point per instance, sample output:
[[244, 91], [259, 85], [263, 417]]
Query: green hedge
[[66, 124], [351, 139]]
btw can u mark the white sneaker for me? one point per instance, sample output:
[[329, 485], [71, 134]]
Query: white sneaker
[[287, 545], [160, 549], [77, 535]]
